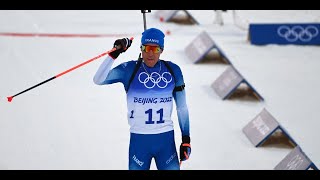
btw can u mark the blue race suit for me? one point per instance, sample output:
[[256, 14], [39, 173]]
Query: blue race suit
[[150, 103]]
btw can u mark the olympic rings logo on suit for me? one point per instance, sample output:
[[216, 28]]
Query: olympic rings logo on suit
[[154, 79], [298, 33]]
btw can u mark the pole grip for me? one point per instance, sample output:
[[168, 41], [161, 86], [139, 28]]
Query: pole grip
[[145, 11], [119, 46]]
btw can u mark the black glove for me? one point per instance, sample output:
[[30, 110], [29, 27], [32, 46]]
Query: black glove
[[122, 45], [185, 148]]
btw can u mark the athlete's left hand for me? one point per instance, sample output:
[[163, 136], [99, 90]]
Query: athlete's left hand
[[185, 148]]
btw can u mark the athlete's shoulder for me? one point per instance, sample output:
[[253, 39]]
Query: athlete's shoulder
[[177, 72], [173, 65]]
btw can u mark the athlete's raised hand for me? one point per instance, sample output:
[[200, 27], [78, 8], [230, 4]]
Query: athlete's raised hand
[[122, 45]]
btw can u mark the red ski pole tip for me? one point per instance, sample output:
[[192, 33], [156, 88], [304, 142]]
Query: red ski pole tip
[[10, 98]]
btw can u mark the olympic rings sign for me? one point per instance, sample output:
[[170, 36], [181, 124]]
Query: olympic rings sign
[[154, 79], [296, 33]]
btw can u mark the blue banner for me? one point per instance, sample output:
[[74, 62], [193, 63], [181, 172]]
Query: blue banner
[[285, 33]]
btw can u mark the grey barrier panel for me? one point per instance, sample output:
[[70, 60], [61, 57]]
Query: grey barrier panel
[[167, 15], [296, 160], [260, 128], [227, 82], [201, 46]]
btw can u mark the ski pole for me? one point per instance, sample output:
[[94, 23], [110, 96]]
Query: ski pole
[[65, 72], [144, 17], [144, 23]]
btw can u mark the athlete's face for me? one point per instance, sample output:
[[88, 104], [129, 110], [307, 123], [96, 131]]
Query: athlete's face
[[150, 54]]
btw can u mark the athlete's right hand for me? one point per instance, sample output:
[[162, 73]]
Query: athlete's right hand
[[122, 45]]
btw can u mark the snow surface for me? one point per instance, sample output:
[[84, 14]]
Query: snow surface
[[71, 123]]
